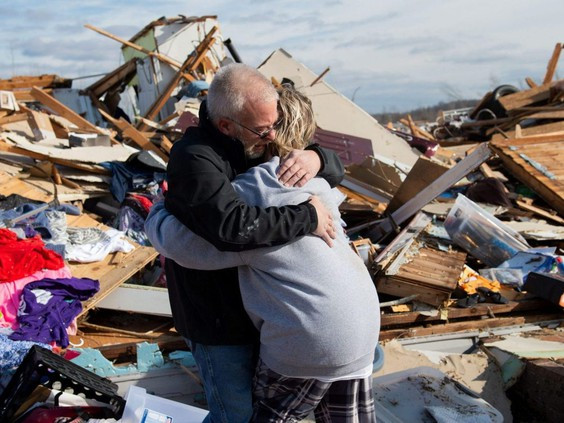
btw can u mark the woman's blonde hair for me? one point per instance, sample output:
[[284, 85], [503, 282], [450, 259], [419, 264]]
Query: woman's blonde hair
[[297, 124]]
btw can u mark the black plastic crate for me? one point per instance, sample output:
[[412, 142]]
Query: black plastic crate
[[42, 367]]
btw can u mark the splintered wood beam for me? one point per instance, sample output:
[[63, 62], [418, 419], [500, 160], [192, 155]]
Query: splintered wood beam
[[434, 189], [190, 64], [24, 95], [128, 131], [418, 131], [415, 130], [15, 117], [320, 77], [166, 144], [62, 110], [530, 82], [390, 319], [159, 56], [541, 212], [134, 46], [169, 118], [26, 82], [471, 325], [4, 146], [525, 98], [410, 125], [113, 78], [547, 128], [551, 67]]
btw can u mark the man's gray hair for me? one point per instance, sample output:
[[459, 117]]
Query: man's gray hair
[[234, 85]]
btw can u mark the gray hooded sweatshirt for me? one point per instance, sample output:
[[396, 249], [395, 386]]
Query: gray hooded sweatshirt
[[316, 307]]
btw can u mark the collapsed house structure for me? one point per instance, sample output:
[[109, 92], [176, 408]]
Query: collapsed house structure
[[447, 266]]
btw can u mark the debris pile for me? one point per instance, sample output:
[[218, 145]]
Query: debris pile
[[460, 222]]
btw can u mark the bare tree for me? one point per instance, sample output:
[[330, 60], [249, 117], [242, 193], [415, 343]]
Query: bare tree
[[451, 92]]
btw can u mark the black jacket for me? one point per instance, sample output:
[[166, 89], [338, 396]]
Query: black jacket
[[206, 305]]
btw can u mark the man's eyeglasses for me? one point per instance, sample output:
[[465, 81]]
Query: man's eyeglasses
[[262, 134]]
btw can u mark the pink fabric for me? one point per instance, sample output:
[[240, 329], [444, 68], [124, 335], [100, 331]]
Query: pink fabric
[[72, 329], [10, 293]]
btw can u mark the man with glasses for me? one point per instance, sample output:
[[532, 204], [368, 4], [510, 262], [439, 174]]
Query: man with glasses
[[237, 122]]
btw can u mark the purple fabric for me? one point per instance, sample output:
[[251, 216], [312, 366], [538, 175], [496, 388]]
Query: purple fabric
[[48, 307]]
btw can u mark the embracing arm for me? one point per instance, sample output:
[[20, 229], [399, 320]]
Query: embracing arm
[[175, 241], [201, 196], [332, 169], [298, 167]]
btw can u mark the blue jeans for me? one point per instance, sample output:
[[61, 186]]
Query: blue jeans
[[227, 374]]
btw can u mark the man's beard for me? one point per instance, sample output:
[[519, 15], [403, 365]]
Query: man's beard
[[253, 154]]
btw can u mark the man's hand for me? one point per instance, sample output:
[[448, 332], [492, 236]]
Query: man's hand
[[298, 167], [325, 228]]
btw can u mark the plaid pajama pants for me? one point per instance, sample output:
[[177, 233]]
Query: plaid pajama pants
[[280, 399]]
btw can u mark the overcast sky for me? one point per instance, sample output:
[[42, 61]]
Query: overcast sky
[[390, 55]]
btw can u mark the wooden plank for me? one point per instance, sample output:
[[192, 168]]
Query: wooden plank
[[422, 174], [551, 67], [320, 77], [530, 140], [23, 82], [115, 77], [526, 98], [452, 313], [15, 117], [166, 145], [159, 56], [64, 111], [69, 163], [472, 325], [355, 198], [39, 189], [25, 95], [432, 274], [401, 288], [503, 123], [11, 185], [539, 212], [530, 82], [137, 137], [419, 131], [40, 125], [167, 119], [554, 114], [551, 190]]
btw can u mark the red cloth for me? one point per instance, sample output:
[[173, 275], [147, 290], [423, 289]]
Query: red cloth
[[143, 201], [22, 257]]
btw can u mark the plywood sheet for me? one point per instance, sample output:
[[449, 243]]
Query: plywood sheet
[[97, 154], [519, 157], [115, 269]]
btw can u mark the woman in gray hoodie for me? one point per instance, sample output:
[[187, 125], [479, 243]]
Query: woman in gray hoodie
[[315, 306]]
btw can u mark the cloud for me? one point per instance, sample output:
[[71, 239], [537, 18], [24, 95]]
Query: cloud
[[399, 53]]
